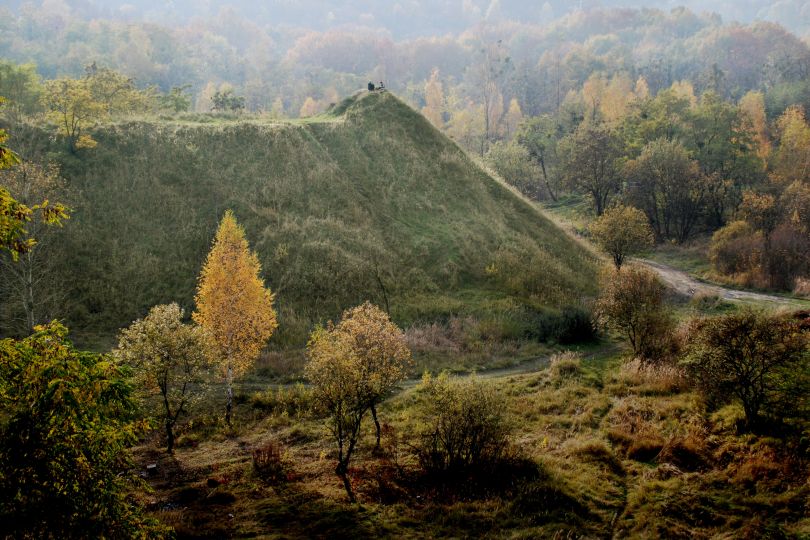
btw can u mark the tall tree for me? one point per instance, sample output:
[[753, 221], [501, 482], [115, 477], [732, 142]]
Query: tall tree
[[34, 274], [512, 118], [21, 85], [488, 73], [14, 238], [434, 100], [539, 135], [755, 123], [589, 163], [233, 304], [792, 158], [667, 185], [309, 108]]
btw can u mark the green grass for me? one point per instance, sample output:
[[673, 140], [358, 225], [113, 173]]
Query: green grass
[[339, 207]]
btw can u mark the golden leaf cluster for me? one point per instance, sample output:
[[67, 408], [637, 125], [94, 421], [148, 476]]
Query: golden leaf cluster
[[233, 304]]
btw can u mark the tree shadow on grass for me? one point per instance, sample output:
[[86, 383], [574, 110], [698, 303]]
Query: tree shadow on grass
[[306, 514]]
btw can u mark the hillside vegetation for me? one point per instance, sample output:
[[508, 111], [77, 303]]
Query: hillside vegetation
[[366, 200]]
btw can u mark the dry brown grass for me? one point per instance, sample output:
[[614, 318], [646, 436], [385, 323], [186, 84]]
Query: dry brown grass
[[642, 377], [802, 287]]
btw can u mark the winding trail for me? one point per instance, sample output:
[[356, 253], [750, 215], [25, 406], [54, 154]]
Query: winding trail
[[686, 285]]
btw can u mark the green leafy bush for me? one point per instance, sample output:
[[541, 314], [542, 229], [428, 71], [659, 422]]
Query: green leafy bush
[[464, 426], [65, 430], [760, 360]]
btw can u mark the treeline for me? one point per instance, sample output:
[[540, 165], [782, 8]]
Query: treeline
[[694, 164], [279, 68]]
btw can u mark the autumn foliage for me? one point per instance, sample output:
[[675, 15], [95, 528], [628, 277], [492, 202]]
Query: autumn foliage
[[622, 231], [233, 305], [352, 366]]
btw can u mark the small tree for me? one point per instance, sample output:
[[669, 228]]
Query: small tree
[[353, 365], [761, 360], [380, 346], [65, 431], [622, 231], [168, 357], [73, 108], [341, 390], [226, 100], [737, 249], [177, 99], [632, 303], [233, 304]]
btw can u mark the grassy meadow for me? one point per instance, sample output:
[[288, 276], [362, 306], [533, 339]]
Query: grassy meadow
[[601, 450]]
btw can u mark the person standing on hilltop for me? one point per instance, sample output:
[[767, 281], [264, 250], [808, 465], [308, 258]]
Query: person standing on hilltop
[[370, 86]]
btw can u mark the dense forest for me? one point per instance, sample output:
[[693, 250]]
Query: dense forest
[[429, 269]]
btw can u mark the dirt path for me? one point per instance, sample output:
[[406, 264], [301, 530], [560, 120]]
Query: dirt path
[[686, 285]]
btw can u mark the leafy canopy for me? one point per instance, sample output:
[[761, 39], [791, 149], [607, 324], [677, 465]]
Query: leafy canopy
[[65, 430], [169, 360], [352, 366], [233, 304], [622, 231]]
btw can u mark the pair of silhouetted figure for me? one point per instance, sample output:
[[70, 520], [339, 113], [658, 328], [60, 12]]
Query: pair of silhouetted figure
[[372, 88]]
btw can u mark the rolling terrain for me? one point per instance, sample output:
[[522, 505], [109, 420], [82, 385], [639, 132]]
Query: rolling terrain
[[367, 201]]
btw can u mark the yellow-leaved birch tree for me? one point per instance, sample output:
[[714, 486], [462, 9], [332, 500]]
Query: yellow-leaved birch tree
[[233, 304]]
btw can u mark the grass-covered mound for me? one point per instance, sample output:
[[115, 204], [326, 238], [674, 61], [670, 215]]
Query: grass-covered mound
[[368, 201]]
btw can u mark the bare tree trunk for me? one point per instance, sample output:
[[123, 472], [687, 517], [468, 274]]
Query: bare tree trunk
[[376, 425], [169, 437], [229, 402], [29, 291], [341, 470], [545, 179]]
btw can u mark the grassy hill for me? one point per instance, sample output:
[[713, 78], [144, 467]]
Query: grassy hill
[[367, 201]]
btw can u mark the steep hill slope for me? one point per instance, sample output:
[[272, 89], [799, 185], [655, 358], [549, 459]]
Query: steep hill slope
[[366, 202]]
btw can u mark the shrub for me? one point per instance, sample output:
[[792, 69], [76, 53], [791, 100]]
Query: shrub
[[65, 430], [268, 463], [761, 360], [801, 287], [576, 326], [657, 379], [788, 256], [465, 428], [513, 163], [736, 249], [296, 401], [632, 303], [565, 365]]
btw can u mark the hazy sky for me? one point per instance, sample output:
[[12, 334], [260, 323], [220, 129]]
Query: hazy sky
[[407, 18]]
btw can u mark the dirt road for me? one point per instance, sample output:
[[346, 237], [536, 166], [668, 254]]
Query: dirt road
[[689, 286]]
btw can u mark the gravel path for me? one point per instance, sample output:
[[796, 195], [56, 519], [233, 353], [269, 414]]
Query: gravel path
[[684, 284]]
